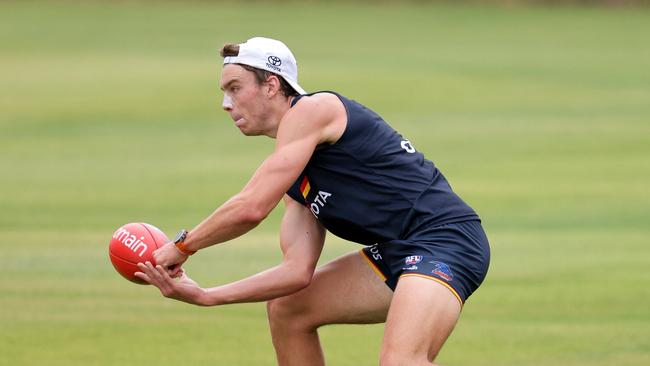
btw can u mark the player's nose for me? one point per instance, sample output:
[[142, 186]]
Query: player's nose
[[226, 104]]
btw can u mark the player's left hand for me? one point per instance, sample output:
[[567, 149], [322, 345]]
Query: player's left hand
[[184, 289], [170, 258]]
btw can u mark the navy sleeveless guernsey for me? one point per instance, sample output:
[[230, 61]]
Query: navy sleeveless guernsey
[[372, 185]]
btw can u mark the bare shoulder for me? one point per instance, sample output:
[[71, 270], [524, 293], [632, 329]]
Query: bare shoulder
[[325, 111], [323, 98]]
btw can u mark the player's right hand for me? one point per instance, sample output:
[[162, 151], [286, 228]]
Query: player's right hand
[[170, 258]]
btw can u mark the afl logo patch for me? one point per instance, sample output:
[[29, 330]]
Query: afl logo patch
[[411, 260]]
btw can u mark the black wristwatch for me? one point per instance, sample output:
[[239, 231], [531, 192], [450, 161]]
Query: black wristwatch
[[179, 242]]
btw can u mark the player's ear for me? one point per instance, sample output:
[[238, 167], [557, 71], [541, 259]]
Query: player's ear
[[272, 86]]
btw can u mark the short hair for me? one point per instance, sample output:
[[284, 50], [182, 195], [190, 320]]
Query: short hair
[[232, 49]]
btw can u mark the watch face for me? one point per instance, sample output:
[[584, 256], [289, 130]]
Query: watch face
[[181, 236]]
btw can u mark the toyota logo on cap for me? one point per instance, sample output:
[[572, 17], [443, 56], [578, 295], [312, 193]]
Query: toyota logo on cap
[[275, 60]]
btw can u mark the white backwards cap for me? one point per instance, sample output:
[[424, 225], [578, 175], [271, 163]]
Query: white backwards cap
[[270, 55]]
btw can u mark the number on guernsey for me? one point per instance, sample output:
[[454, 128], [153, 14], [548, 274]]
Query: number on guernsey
[[406, 145]]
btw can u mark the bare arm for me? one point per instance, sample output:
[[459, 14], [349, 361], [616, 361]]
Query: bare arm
[[303, 127], [301, 241], [265, 189]]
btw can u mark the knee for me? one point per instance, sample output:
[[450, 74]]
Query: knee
[[287, 313], [280, 309]]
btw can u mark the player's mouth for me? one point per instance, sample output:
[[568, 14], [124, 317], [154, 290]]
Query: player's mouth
[[238, 120]]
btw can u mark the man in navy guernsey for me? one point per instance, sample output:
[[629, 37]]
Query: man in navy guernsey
[[340, 168]]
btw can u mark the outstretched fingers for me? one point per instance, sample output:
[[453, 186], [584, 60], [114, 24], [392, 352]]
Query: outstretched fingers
[[182, 289], [145, 275], [156, 276]]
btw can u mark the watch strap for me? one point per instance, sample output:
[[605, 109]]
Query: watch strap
[[181, 248], [179, 242]]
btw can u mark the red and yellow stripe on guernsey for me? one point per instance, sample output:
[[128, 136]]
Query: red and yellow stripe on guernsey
[[305, 187], [373, 266]]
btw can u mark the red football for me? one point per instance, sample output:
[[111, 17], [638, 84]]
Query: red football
[[134, 243]]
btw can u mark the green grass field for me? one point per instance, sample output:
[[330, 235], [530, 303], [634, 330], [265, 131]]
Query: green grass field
[[109, 113]]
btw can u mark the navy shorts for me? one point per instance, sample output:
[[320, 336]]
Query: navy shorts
[[456, 255]]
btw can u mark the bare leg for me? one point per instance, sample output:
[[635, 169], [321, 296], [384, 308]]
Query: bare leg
[[345, 290], [422, 315]]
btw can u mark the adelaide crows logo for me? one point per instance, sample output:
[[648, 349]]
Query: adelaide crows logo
[[442, 270]]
